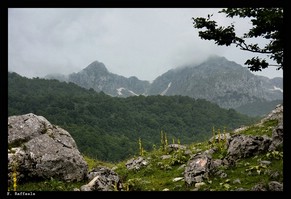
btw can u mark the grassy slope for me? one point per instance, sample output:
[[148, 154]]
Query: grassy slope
[[159, 174]]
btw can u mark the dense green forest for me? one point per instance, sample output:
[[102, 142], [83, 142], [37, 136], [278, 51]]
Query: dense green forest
[[108, 128]]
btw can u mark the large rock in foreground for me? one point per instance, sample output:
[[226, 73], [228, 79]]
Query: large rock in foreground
[[40, 150]]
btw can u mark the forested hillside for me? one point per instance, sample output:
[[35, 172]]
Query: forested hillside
[[108, 128]]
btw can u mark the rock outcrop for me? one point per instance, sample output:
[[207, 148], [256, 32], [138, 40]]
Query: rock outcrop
[[238, 146], [40, 150], [102, 179]]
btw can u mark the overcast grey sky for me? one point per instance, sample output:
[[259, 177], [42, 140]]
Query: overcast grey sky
[[141, 42]]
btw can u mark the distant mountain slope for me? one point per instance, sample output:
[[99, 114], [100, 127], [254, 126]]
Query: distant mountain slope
[[218, 80], [97, 76]]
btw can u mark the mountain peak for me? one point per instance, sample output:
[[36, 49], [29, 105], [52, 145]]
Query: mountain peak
[[96, 66], [220, 63], [215, 59]]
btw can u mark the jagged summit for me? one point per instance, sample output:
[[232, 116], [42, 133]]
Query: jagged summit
[[97, 76], [96, 66]]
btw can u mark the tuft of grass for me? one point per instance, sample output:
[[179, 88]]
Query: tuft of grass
[[265, 128], [93, 163]]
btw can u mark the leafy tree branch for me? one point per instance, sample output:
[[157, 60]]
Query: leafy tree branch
[[267, 23]]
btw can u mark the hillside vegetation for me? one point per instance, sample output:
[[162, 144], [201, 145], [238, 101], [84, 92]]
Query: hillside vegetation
[[108, 128], [165, 169]]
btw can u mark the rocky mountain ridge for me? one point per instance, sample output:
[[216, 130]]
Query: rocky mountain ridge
[[218, 80]]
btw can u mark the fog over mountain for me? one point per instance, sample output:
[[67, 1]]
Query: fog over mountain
[[141, 42]]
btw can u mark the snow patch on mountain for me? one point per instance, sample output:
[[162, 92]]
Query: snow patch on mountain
[[119, 90], [276, 88], [133, 93], [165, 91]]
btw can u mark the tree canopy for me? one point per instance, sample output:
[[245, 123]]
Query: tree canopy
[[267, 23]]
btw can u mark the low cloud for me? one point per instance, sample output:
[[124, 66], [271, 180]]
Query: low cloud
[[141, 42]]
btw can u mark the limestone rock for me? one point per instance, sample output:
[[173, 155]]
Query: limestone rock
[[40, 150]]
